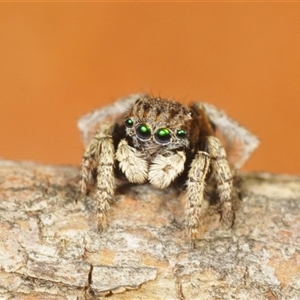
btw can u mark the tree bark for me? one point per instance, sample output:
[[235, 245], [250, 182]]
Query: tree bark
[[50, 247]]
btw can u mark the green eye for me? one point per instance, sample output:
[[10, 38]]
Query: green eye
[[163, 135], [181, 133], [143, 131], [128, 123]]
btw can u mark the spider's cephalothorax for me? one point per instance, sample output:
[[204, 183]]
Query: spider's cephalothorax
[[157, 140], [154, 122]]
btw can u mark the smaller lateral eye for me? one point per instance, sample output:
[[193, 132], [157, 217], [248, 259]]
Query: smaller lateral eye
[[128, 122], [180, 133], [163, 135]]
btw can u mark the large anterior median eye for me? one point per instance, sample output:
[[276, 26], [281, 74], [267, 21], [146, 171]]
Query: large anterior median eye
[[143, 131], [163, 135]]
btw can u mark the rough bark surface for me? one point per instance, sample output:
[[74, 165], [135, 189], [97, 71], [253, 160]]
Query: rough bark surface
[[50, 247]]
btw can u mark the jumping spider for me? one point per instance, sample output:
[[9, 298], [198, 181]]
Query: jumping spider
[[161, 141]]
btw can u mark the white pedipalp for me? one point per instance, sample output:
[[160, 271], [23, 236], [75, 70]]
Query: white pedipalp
[[132, 163], [163, 170]]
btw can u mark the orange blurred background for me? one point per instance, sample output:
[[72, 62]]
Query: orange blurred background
[[61, 60]]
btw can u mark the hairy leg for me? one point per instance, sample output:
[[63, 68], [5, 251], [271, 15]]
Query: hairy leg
[[195, 192], [99, 154], [223, 176]]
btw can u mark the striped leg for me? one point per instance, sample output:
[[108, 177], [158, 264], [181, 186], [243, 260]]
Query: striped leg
[[195, 192], [99, 155], [223, 176]]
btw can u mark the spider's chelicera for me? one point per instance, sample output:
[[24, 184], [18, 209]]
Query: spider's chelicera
[[161, 141]]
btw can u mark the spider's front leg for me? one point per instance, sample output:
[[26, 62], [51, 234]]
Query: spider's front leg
[[224, 178], [99, 157], [195, 192], [216, 158]]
